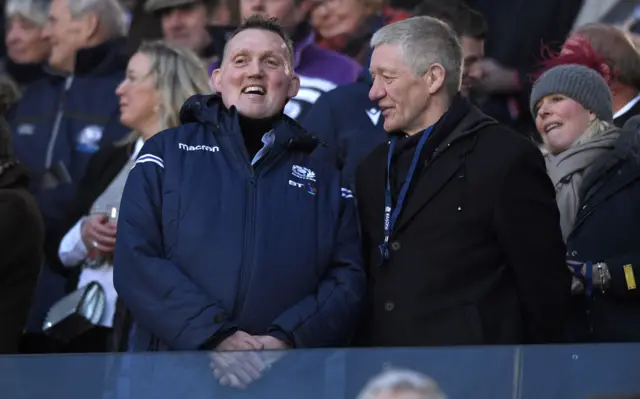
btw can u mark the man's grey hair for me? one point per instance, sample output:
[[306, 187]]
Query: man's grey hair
[[111, 14], [400, 381], [35, 11], [425, 41]]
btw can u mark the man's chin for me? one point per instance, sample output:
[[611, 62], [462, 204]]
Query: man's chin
[[253, 113]]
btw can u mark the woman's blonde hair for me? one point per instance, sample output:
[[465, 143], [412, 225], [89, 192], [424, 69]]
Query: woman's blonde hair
[[178, 74], [595, 129]]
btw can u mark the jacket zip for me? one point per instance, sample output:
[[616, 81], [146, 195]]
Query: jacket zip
[[249, 234], [56, 125]]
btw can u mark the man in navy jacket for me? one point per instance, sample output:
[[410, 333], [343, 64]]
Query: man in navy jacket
[[231, 236]]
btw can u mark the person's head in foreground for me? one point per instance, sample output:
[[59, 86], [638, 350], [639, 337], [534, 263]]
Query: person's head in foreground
[[416, 68], [571, 104], [401, 384], [160, 77], [256, 73]]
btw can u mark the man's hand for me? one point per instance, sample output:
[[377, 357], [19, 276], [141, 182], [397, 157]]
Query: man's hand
[[239, 341], [497, 78], [274, 346], [232, 363], [270, 342]]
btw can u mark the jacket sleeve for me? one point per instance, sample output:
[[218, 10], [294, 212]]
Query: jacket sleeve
[[625, 275], [160, 297], [329, 316], [528, 226], [20, 234]]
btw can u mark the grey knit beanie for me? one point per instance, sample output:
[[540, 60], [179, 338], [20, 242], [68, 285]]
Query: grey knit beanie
[[579, 83]]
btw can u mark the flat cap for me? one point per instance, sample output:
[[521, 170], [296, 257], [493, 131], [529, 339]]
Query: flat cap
[[156, 5]]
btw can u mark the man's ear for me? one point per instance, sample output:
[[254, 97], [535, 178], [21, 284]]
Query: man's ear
[[592, 116], [89, 26], [216, 80], [294, 86], [435, 78]]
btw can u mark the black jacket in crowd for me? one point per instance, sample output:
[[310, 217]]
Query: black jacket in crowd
[[477, 255], [21, 257], [607, 230]]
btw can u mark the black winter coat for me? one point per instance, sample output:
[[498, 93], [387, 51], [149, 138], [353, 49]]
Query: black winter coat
[[477, 255], [21, 255], [607, 230]]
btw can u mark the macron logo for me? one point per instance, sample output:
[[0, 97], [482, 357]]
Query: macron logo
[[198, 147]]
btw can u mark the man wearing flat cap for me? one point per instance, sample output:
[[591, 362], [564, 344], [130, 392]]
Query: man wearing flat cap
[[197, 24]]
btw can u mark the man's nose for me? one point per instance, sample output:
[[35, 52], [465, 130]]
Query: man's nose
[[172, 19], [46, 32], [376, 92], [255, 68], [257, 5], [12, 36]]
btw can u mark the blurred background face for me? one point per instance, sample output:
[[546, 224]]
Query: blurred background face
[[289, 13], [332, 18], [24, 41], [472, 52], [65, 34], [256, 75], [561, 121], [186, 25], [139, 97]]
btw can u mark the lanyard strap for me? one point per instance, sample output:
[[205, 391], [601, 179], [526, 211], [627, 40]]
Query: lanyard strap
[[390, 213]]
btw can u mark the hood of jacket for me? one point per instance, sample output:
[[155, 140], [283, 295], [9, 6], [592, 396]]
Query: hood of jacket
[[210, 110]]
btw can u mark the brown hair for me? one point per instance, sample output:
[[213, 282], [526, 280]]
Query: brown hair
[[615, 47]]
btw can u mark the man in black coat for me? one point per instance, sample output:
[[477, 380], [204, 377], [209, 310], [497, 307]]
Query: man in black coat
[[462, 240]]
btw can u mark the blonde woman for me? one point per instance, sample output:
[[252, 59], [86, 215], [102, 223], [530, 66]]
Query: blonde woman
[[160, 77], [595, 168]]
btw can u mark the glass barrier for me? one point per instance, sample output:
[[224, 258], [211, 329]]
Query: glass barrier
[[535, 372]]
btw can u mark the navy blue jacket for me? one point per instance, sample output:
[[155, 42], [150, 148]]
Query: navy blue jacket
[[348, 122], [65, 119], [208, 244], [606, 230]]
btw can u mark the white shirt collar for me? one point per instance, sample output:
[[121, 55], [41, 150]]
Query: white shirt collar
[[137, 148], [627, 107]]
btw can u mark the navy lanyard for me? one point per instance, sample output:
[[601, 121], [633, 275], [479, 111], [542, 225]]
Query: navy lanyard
[[390, 213]]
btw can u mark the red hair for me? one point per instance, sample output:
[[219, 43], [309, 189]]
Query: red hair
[[576, 50]]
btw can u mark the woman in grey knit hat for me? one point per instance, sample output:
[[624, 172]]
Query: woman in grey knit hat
[[595, 168], [573, 111]]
